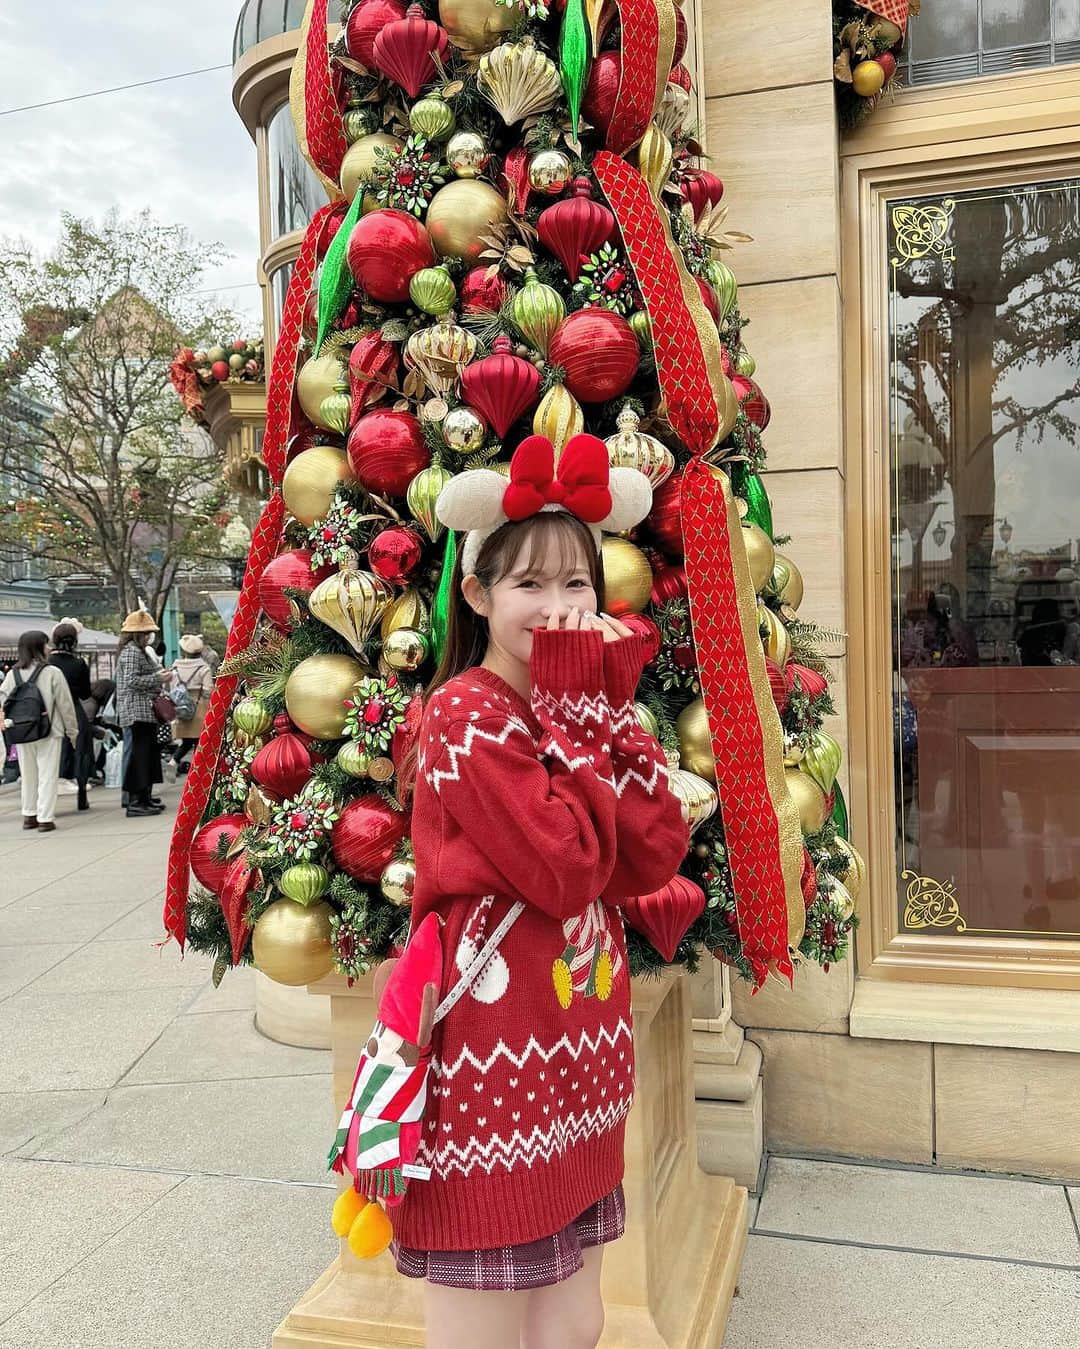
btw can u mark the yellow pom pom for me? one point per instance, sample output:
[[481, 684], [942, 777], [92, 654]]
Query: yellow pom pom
[[371, 1233], [563, 981], [347, 1206], [604, 977]]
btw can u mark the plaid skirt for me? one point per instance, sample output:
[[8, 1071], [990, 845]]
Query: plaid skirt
[[534, 1264]]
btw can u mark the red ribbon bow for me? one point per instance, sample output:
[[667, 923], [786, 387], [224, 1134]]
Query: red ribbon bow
[[579, 486]]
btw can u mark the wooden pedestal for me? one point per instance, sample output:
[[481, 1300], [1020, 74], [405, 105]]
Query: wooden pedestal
[[667, 1284]]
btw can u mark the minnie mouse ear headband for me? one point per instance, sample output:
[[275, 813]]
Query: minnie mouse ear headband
[[583, 484]]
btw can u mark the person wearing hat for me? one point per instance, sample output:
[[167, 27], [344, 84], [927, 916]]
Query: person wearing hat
[[75, 763], [138, 682], [194, 671]]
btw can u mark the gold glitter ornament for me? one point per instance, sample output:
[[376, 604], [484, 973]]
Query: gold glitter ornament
[[537, 310], [549, 172], [423, 493], [654, 158], [467, 154], [464, 430], [558, 417], [432, 117], [397, 882], [350, 603], [441, 353], [632, 448], [405, 650], [628, 577], [518, 80]]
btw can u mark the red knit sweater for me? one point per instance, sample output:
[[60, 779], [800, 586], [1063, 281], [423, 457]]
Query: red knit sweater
[[565, 804]]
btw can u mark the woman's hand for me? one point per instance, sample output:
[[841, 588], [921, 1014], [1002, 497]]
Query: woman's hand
[[613, 630]]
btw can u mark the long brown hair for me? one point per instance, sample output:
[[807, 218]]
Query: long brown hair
[[466, 630]]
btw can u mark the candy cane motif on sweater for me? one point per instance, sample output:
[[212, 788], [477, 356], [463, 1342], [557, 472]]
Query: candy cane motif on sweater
[[591, 961]]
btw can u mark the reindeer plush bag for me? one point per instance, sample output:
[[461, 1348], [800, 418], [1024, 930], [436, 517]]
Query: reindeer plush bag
[[379, 1132]]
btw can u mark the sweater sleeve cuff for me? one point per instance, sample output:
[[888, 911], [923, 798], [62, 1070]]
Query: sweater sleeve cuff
[[564, 661], [623, 663]]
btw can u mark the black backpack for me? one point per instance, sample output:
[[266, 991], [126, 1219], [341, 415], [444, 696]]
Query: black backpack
[[25, 717]]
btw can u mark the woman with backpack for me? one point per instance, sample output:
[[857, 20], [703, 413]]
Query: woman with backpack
[[194, 672], [138, 682], [77, 763], [38, 712]]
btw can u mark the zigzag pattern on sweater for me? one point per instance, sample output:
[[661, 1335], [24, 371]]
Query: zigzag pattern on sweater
[[523, 1149], [474, 730], [574, 708], [658, 773], [621, 1030]]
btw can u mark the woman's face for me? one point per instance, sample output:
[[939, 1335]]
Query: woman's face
[[552, 578]]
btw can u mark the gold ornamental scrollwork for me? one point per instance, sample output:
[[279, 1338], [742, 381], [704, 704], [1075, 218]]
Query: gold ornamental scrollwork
[[931, 903], [920, 229]]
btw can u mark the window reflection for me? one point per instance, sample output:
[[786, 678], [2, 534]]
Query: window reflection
[[279, 285], [295, 191], [985, 376]]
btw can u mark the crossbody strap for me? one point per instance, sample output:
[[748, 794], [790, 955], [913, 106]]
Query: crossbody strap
[[479, 960]]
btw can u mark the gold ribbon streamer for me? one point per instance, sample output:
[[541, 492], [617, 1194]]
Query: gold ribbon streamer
[[298, 106]]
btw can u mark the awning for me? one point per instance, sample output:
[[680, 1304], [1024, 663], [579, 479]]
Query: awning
[[12, 627]]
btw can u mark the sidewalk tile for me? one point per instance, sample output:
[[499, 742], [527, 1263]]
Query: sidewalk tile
[[20, 965], [213, 1263], [278, 1128], [28, 1118], [819, 1296], [82, 1040], [52, 1216], [115, 966], [222, 1044], [972, 1215], [49, 918], [235, 993], [144, 922]]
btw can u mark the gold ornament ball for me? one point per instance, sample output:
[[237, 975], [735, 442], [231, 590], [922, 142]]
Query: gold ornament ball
[[760, 553], [316, 691], [476, 25], [407, 611], [809, 800], [459, 214], [855, 878], [318, 378], [842, 898], [361, 161], [628, 577], [291, 943], [549, 172], [868, 77], [404, 650], [464, 430], [697, 797], [467, 154], [397, 883], [787, 581], [311, 480], [777, 641], [695, 740]]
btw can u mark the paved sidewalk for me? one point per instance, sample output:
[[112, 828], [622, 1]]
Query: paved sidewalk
[[161, 1163]]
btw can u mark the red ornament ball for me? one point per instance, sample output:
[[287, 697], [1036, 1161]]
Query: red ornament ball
[[681, 76], [209, 870], [669, 583], [365, 24], [646, 628], [777, 685], [303, 438], [220, 370], [282, 766], [813, 684], [482, 291], [394, 553], [682, 36], [598, 100], [752, 401], [366, 836], [599, 352], [708, 296], [290, 570], [385, 251], [887, 61], [387, 450], [664, 521]]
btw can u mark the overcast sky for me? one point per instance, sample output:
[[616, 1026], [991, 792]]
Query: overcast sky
[[177, 148]]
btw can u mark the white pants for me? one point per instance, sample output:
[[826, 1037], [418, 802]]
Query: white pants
[[39, 770]]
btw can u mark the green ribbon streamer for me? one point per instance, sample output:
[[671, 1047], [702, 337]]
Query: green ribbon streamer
[[839, 812], [335, 282], [440, 605], [752, 490], [573, 58]]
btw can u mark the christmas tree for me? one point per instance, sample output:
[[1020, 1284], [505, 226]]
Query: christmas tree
[[522, 238]]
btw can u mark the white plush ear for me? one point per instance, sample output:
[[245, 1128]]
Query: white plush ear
[[472, 500], [631, 499]]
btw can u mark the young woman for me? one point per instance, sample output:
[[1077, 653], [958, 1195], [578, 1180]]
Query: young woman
[[137, 682], [75, 764], [535, 782], [39, 760], [194, 670]]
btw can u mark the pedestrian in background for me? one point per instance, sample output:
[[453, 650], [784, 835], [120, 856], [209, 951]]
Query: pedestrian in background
[[193, 670], [75, 763], [138, 682], [38, 713]]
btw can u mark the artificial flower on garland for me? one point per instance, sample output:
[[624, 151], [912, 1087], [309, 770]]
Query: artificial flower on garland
[[300, 827], [375, 711]]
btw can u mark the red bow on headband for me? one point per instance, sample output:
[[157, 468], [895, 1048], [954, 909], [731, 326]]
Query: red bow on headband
[[580, 487]]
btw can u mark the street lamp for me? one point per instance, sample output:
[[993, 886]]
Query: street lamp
[[1005, 533], [235, 542]]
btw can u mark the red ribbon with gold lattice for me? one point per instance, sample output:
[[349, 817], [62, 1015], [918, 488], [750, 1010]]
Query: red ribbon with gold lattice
[[648, 41], [761, 823], [315, 112], [265, 542], [896, 11]]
